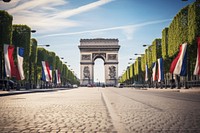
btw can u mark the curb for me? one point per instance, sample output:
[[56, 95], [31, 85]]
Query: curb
[[31, 91], [164, 90], [192, 90]]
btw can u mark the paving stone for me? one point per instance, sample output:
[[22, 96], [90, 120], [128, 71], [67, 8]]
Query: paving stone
[[62, 111]]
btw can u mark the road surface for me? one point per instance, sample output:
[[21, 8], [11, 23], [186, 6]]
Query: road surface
[[122, 110]]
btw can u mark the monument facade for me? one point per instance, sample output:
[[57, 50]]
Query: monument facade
[[92, 49]]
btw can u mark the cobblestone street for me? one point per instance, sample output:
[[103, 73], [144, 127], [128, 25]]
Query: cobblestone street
[[77, 110], [101, 110], [145, 111]]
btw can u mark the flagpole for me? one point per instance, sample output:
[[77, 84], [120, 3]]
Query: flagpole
[[187, 77], [2, 62]]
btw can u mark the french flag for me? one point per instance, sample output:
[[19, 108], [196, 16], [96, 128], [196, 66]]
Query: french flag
[[46, 76], [160, 70], [51, 73], [57, 77], [10, 68], [197, 66], [20, 59], [179, 64], [154, 72], [146, 72]]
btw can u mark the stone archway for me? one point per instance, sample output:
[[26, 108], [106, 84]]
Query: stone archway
[[92, 49]]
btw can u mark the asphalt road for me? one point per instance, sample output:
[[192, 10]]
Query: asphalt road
[[123, 110]]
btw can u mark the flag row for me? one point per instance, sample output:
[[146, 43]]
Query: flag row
[[178, 65], [17, 71], [47, 73]]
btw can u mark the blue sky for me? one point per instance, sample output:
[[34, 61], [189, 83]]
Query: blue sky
[[62, 23]]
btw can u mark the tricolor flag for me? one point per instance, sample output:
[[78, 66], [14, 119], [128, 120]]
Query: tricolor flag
[[20, 54], [51, 73], [179, 64], [146, 73], [197, 66], [46, 76], [57, 77], [10, 68], [154, 71], [160, 70], [43, 75]]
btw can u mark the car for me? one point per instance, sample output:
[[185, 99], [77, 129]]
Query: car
[[138, 85], [120, 85], [89, 85], [10, 83], [75, 86]]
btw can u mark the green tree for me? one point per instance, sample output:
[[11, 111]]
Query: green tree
[[21, 38], [33, 59], [5, 34]]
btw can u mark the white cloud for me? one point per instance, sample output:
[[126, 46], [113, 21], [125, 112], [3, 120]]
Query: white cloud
[[33, 4], [81, 9], [45, 15], [128, 30]]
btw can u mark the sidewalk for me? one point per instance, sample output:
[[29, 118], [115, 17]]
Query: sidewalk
[[190, 90], [23, 91]]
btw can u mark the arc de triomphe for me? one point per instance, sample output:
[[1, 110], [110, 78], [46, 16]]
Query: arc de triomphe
[[107, 50]]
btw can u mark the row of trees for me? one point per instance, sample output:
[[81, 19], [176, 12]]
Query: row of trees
[[185, 27], [20, 36]]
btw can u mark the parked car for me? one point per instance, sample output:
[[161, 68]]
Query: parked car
[[75, 86], [89, 85], [10, 83], [120, 85], [138, 85]]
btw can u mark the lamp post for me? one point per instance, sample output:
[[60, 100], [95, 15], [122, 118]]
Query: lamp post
[[132, 59], [30, 66], [146, 45], [44, 45], [138, 54]]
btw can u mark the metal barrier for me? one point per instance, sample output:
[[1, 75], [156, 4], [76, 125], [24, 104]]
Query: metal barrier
[[194, 83]]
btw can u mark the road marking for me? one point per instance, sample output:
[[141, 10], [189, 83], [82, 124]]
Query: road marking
[[115, 118]]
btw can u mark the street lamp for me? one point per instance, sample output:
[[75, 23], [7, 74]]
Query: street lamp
[[138, 54], [30, 65], [132, 59], [45, 45], [33, 31], [145, 45]]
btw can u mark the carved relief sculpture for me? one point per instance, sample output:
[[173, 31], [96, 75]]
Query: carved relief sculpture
[[86, 72], [86, 57], [112, 72], [94, 55], [112, 57]]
